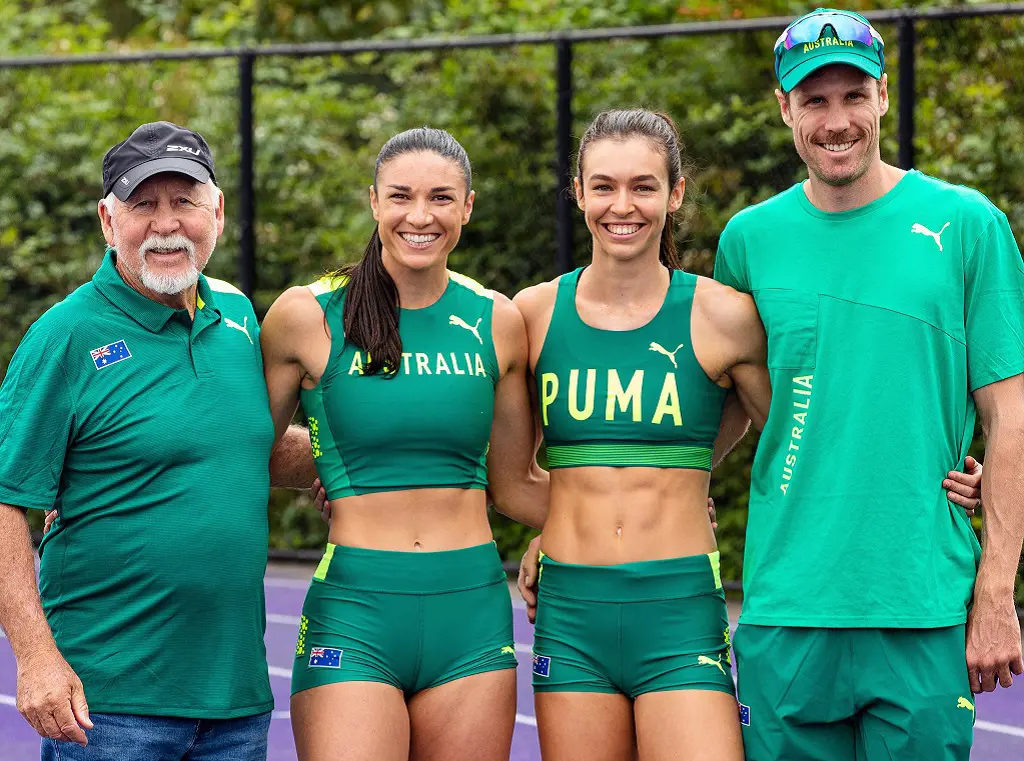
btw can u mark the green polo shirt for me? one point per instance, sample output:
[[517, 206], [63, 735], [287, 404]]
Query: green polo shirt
[[150, 433]]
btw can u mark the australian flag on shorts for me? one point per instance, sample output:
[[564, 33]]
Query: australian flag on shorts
[[541, 665], [325, 658], [744, 715], [110, 354]]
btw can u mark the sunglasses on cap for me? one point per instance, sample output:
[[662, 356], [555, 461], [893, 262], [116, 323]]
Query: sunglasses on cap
[[846, 27]]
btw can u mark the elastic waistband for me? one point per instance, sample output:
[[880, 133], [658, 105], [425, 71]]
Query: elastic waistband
[[410, 572], [629, 454], [689, 576]]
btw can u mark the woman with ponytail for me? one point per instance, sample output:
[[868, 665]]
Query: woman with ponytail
[[634, 362], [413, 380]]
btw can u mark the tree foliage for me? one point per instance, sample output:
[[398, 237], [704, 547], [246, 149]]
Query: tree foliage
[[321, 120]]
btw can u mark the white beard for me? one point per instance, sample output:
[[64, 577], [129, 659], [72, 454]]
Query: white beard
[[168, 283]]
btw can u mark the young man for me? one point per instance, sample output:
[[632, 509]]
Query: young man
[[894, 308]]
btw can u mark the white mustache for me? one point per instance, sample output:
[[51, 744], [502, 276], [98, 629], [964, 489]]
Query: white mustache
[[168, 241]]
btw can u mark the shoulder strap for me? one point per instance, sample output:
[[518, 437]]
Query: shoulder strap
[[565, 296]]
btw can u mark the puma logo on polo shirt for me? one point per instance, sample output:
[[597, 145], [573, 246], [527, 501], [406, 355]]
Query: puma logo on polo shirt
[[244, 327]]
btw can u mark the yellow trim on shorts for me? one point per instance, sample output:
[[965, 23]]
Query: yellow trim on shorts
[[325, 563], [716, 567]]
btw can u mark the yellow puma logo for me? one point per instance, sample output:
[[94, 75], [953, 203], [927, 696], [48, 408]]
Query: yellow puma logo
[[703, 660], [964, 703], [662, 350], [508, 649], [454, 319]]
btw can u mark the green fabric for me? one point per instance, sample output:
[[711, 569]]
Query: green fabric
[[414, 620], [633, 628], [433, 418], [876, 338], [854, 694], [152, 576], [630, 397], [655, 455]]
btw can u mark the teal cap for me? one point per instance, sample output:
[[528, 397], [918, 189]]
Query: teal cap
[[824, 37]]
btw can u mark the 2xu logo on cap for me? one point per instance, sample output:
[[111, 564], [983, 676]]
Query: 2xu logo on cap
[[186, 149]]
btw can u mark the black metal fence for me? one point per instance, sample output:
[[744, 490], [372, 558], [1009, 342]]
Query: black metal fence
[[905, 19]]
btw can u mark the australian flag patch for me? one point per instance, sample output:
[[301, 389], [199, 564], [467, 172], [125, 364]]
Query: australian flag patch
[[541, 665], [744, 715], [110, 354], [325, 658]]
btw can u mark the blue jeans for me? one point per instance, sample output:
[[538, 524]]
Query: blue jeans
[[126, 737]]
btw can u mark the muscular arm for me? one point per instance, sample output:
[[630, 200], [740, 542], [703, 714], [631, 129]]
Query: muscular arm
[[518, 484], [291, 333], [993, 642], [1002, 418], [730, 343]]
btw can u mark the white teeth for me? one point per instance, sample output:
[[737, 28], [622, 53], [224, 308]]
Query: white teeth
[[837, 147], [420, 239], [623, 229]]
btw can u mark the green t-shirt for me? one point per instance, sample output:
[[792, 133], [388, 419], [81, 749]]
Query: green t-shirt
[[151, 435], [881, 321]]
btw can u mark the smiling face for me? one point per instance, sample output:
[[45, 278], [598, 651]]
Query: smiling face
[[164, 233], [835, 115], [625, 196], [420, 203]]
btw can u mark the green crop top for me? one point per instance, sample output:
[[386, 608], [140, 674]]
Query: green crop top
[[426, 427], [630, 397]]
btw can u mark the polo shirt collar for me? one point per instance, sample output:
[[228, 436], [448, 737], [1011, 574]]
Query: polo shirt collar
[[151, 315]]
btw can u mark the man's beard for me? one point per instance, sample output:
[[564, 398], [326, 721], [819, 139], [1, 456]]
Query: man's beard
[[845, 176], [168, 283]]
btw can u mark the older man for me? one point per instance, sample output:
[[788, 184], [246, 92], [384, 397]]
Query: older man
[[894, 307], [137, 408]]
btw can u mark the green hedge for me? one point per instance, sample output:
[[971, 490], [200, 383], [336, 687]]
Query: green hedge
[[320, 122]]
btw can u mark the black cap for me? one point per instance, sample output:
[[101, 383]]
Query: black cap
[[151, 149]]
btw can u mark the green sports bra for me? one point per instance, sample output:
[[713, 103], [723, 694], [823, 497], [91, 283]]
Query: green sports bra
[[426, 427], [630, 397]]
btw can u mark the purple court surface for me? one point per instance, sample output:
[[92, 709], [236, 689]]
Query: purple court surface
[[999, 731]]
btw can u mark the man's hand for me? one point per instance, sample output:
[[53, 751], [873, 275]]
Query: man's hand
[[319, 497], [528, 568], [964, 489], [993, 641], [51, 516], [51, 697]]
